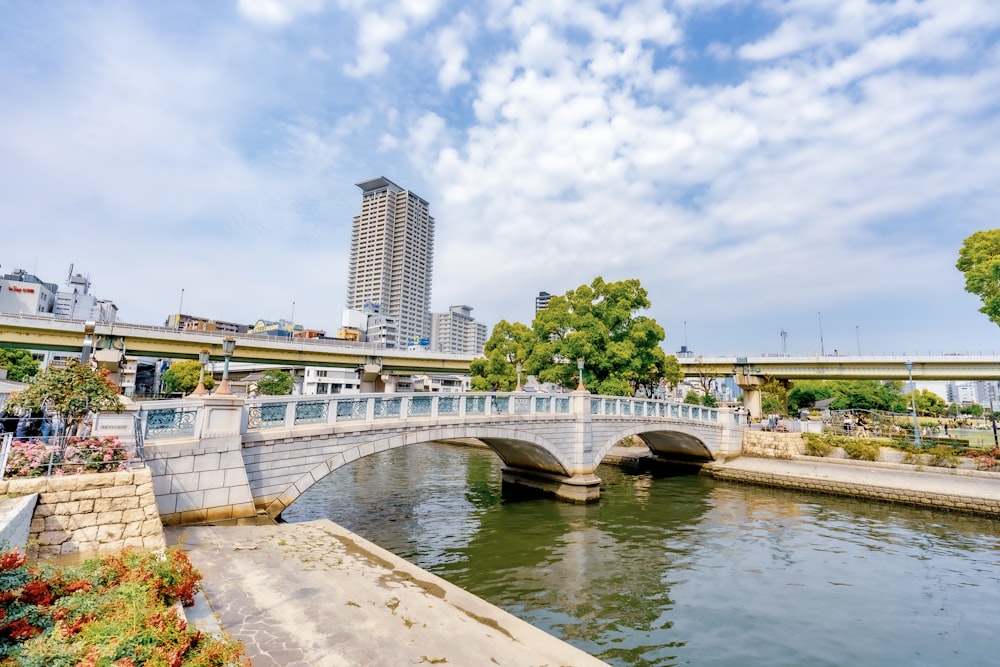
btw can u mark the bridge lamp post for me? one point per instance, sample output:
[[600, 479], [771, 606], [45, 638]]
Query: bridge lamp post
[[913, 404], [519, 368], [228, 345], [200, 389], [579, 367]]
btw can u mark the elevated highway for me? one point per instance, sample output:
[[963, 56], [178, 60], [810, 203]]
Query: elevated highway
[[46, 333], [752, 372], [843, 367]]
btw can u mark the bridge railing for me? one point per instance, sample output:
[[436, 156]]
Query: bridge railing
[[288, 412], [618, 405]]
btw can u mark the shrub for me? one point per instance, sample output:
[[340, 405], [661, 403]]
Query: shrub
[[31, 458], [818, 444], [861, 450], [987, 460], [942, 456], [116, 610]]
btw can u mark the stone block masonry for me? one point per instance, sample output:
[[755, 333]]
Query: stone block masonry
[[90, 513]]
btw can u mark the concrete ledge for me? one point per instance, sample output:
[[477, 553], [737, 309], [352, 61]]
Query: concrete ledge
[[314, 593], [15, 521]]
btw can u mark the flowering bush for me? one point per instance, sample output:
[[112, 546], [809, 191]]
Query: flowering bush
[[96, 454], [116, 610], [28, 458], [31, 458]]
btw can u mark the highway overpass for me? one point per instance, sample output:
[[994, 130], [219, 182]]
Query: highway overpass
[[844, 367], [46, 333]]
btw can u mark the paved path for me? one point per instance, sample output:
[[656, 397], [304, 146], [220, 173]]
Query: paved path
[[313, 594], [943, 481]]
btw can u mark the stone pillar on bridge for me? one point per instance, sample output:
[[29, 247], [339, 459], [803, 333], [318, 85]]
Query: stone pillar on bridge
[[581, 485], [201, 476]]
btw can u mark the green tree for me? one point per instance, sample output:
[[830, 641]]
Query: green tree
[[73, 391], [847, 394], [806, 393], [509, 344], [979, 260], [928, 403], [20, 365], [275, 382], [692, 397], [600, 324], [182, 377], [974, 410]]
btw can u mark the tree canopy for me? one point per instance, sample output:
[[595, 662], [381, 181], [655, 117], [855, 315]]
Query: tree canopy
[[275, 382], [20, 365], [979, 260], [182, 377], [73, 391], [847, 395], [599, 323]]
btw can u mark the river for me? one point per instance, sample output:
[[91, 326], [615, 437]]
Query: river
[[686, 570]]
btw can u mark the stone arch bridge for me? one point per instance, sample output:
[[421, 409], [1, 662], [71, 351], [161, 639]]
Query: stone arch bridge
[[223, 457]]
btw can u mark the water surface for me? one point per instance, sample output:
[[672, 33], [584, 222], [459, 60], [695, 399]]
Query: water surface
[[686, 570]]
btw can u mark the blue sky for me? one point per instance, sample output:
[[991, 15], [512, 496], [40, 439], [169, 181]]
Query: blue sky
[[759, 166]]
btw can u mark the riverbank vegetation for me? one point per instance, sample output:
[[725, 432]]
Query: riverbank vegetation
[[951, 454], [117, 610]]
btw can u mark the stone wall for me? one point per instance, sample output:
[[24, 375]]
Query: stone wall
[[90, 513], [768, 445]]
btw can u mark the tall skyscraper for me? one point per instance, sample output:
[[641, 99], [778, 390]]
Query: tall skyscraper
[[392, 251]]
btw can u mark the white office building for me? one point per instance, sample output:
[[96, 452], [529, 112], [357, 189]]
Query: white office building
[[22, 293], [392, 251]]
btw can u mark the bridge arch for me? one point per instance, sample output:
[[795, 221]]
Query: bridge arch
[[516, 448], [670, 440]]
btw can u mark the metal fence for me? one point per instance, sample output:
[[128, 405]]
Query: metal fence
[[64, 455]]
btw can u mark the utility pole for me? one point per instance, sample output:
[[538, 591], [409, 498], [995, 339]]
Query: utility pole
[[822, 350]]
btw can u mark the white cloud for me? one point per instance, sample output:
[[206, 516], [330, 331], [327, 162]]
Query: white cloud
[[277, 12], [452, 52]]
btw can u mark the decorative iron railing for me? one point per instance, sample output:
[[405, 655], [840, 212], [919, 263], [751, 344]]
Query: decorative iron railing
[[169, 423], [313, 410]]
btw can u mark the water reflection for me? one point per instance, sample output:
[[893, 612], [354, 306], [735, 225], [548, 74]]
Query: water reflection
[[685, 570]]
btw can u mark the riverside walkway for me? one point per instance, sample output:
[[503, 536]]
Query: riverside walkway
[[313, 594]]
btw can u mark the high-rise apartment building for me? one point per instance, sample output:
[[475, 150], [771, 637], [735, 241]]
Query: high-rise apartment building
[[392, 251], [457, 332]]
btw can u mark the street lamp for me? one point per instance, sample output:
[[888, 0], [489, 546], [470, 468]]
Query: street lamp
[[200, 389], [228, 345], [579, 367], [519, 369], [913, 405]]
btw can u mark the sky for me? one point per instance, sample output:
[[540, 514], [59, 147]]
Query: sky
[[761, 166]]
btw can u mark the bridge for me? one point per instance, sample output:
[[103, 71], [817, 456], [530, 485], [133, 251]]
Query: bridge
[[216, 458], [752, 372], [46, 333]]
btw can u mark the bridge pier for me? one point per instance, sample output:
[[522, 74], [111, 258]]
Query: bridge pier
[[574, 489]]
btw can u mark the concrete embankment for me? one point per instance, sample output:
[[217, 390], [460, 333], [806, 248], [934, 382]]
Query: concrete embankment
[[971, 491], [314, 594], [944, 489]]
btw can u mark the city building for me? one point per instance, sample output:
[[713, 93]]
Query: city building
[[194, 323], [369, 325], [77, 303], [330, 381], [457, 332], [22, 293], [542, 301], [392, 249]]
